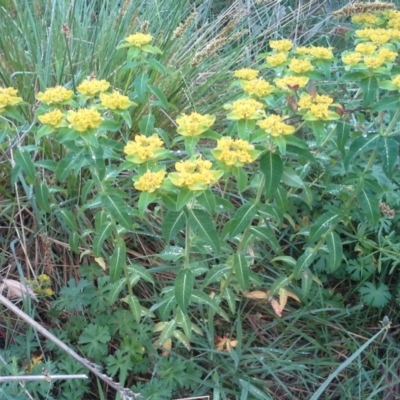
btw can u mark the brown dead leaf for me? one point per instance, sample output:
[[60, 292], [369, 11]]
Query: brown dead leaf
[[280, 305], [167, 347], [224, 343], [16, 289], [257, 295]]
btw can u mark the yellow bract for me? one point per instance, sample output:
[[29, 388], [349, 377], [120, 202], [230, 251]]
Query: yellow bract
[[276, 59], [93, 87], [351, 58], [373, 62], [365, 18], [387, 55], [306, 100], [365, 48], [52, 118], [274, 126], [115, 101], [300, 66], [194, 124], [194, 174], [281, 45], [257, 87], [234, 152], [245, 109], [139, 39], [321, 53], [150, 181], [84, 119], [246, 74], [55, 95], [8, 97], [291, 82], [143, 149]]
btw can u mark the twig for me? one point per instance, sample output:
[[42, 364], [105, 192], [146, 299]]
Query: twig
[[40, 377]]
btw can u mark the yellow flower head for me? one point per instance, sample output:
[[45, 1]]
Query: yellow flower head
[[44, 279], [321, 53], [365, 48], [257, 87], [302, 50], [139, 39], [93, 87], [194, 124], [396, 81], [233, 152], [144, 148], [374, 62], [380, 36], [8, 97], [115, 101], [276, 59], [52, 118], [351, 58], [364, 33], [300, 66], [246, 74], [387, 55], [84, 119], [150, 181], [55, 95], [245, 109], [48, 292], [320, 111], [306, 101], [366, 18], [281, 45], [194, 174], [274, 126], [291, 82]]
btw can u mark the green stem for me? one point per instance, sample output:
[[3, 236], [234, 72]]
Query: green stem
[[70, 63], [392, 123]]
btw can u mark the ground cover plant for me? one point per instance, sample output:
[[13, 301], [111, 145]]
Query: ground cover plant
[[209, 214]]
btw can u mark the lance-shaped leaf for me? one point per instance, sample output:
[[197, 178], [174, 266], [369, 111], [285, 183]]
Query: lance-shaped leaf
[[321, 225], [117, 207], [359, 146], [370, 206], [172, 224], [335, 250], [184, 283], [24, 161], [117, 261], [204, 226], [242, 270], [271, 165], [242, 218], [42, 196]]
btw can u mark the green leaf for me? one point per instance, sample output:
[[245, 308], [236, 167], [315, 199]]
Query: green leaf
[[240, 221], [359, 146], [117, 261], [134, 306], [177, 334], [387, 103], [145, 199], [281, 200], [72, 161], [303, 263], [257, 393], [266, 234], [375, 296], [388, 150], [115, 289], [207, 200], [184, 321], [140, 84], [370, 206], [241, 178], [204, 225], [321, 225], [216, 273], [184, 196], [24, 161], [335, 250], [271, 165], [184, 283], [146, 124], [242, 270], [306, 282], [342, 135], [117, 208], [73, 242], [318, 129], [369, 87], [200, 297], [143, 273], [102, 233], [69, 219], [173, 222], [42, 196], [291, 178], [245, 127], [160, 96]]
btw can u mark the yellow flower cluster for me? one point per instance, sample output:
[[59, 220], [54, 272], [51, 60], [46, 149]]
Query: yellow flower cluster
[[365, 19], [283, 45], [42, 286], [194, 124], [274, 126], [366, 53], [84, 119], [317, 107], [150, 181], [139, 39], [55, 95], [52, 118], [316, 52], [276, 59], [246, 74], [143, 148], [365, 48], [394, 19], [300, 66], [352, 58], [291, 82], [245, 109], [374, 62], [194, 174], [92, 87], [115, 101], [306, 101], [233, 152], [257, 87], [378, 36], [8, 97]]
